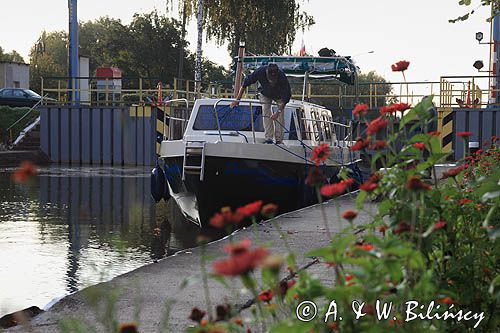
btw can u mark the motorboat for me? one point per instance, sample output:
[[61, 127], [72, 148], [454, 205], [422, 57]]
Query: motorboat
[[220, 159]]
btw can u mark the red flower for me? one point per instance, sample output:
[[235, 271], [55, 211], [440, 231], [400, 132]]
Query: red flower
[[414, 183], [25, 171], [397, 322], [400, 66], [419, 145], [349, 215], [348, 182], [320, 153], [336, 189], [349, 277], [401, 227], [464, 134], [360, 144], [197, 315], [402, 107], [376, 125], [439, 225], [226, 217], [368, 186], [238, 248], [250, 209], [375, 177], [265, 296], [269, 210], [241, 260], [446, 300], [462, 202], [365, 247], [363, 108], [434, 133], [383, 228], [388, 109], [379, 144], [218, 221], [331, 190], [453, 172]]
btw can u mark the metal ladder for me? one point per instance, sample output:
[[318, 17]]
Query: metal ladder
[[194, 148]]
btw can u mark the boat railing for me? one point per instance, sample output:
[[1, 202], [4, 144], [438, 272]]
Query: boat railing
[[333, 132], [250, 102], [331, 124], [170, 118]]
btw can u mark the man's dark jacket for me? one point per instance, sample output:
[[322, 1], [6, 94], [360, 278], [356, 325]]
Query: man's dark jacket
[[280, 91]]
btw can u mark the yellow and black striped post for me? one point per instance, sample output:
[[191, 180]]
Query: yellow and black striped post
[[161, 127], [445, 127]]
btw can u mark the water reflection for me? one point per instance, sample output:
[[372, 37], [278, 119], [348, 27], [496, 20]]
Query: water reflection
[[71, 228]]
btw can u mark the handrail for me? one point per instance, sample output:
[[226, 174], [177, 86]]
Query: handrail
[[165, 116], [326, 121], [249, 101], [9, 129]]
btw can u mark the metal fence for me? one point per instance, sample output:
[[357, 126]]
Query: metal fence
[[99, 135], [450, 91], [483, 123]]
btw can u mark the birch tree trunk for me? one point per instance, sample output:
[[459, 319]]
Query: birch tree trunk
[[197, 71]]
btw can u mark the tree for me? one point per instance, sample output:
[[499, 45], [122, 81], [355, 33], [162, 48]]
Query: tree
[[11, 57], [147, 47], [494, 9], [51, 61], [267, 27]]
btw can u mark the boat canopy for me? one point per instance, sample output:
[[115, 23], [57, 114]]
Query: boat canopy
[[341, 68]]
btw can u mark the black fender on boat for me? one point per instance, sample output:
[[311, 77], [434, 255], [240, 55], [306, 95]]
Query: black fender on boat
[[157, 183]]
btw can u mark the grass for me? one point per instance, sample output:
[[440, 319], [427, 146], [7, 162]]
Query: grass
[[9, 116]]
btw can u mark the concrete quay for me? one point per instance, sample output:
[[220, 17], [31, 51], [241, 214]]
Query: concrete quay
[[150, 286]]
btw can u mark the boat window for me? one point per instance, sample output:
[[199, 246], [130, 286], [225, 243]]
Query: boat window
[[318, 133], [292, 135], [304, 126], [236, 119], [326, 126]]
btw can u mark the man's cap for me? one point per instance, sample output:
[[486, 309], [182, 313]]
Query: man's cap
[[272, 71]]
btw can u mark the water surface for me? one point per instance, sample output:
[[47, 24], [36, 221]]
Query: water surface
[[69, 228]]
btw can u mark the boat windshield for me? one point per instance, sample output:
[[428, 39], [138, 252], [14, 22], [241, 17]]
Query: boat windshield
[[236, 119]]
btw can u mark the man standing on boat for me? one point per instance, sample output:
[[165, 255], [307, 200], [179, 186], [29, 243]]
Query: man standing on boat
[[274, 86]]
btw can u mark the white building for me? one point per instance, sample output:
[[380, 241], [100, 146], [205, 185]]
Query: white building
[[14, 75]]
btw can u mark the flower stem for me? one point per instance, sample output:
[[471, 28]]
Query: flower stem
[[323, 213], [205, 281]]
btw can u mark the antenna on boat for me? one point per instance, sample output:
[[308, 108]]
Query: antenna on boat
[[239, 68]]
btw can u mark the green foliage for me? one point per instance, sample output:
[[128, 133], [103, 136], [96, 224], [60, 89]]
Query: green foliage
[[432, 243], [9, 116], [10, 57], [147, 47], [266, 26], [51, 62], [495, 7]]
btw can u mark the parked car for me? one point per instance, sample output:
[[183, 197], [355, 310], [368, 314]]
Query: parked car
[[21, 97]]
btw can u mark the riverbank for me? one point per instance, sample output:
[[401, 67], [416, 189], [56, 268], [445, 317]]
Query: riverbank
[[151, 286]]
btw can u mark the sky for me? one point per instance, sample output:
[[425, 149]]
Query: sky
[[413, 30]]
